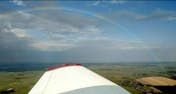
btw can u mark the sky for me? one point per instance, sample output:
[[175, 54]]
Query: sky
[[87, 31]]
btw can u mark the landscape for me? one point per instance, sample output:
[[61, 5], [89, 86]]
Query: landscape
[[128, 43], [124, 74]]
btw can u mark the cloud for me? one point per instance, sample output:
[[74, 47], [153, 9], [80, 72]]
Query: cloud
[[96, 3], [52, 45], [47, 33], [14, 48], [20, 33], [28, 36], [18, 2], [109, 50], [118, 1], [113, 44], [124, 14], [159, 14], [156, 14], [172, 18]]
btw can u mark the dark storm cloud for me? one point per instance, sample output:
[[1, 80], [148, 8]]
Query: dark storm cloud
[[12, 48]]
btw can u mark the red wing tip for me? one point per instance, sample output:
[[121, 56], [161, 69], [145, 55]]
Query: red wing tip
[[63, 65]]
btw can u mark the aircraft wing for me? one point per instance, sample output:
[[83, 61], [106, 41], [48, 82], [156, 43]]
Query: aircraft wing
[[74, 79]]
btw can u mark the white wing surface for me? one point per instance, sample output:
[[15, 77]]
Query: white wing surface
[[74, 79]]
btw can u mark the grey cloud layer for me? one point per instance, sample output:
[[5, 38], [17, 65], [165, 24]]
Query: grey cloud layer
[[61, 36], [60, 26]]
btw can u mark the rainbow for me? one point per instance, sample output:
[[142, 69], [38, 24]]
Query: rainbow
[[86, 13]]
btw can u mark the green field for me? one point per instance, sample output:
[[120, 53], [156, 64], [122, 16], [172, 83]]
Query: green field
[[22, 82], [124, 75]]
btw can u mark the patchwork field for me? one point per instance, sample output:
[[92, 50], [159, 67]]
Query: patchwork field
[[122, 74]]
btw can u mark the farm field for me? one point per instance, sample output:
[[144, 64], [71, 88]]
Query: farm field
[[122, 74], [157, 81]]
